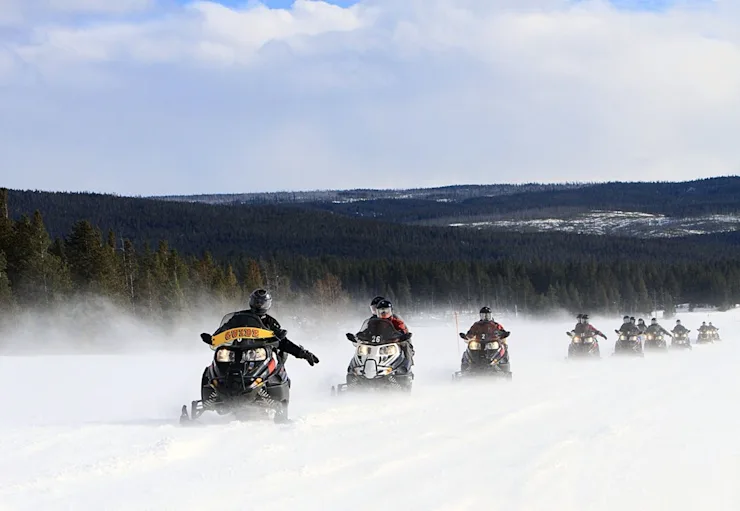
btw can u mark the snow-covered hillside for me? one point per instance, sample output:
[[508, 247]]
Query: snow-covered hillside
[[101, 432], [622, 223]]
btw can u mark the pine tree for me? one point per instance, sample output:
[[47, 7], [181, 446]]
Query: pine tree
[[6, 296], [89, 264], [253, 279], [38, 276]]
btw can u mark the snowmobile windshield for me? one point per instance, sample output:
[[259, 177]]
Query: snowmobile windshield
[[245, 338], [379, 330], [243, 329]]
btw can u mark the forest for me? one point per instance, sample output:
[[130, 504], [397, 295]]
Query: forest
[[155, 257]]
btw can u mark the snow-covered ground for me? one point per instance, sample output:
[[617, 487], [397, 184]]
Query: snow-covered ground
[[629, 223], [100, 432]]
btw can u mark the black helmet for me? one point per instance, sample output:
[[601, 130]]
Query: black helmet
[[626, 319], [678, 321], [653, 321], [632, 319], [486, 314], [374, 303], [260, 301], [584, 317], [384, 307], [641, 321]]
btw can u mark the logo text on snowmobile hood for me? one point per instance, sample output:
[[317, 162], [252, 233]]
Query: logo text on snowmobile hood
[[241, 333]]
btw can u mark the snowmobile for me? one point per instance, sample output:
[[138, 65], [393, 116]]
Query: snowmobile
[[247, 377], [704, 337], [628, 344], [484, 357], [681, 341], [380, 362], [655, 342], [583, 346], [714, 335]]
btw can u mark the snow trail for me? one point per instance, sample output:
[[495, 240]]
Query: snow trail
[[653, 433]]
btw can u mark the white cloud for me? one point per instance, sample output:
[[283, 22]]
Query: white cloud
[[206, 98]]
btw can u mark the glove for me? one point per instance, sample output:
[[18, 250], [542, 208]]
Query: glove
[[604, 336], [280, 334], [310, 357], [350, 337], [405, 337]]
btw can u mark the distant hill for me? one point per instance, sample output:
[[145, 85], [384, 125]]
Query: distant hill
[[640, 209], [440, 194]]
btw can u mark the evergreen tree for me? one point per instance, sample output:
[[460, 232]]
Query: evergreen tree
[[6, 296]]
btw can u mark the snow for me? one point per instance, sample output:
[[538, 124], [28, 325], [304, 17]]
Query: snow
[[100, 432], [619, 222]]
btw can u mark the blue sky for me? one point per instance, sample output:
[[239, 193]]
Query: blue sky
[[408, 93], [650, 5]]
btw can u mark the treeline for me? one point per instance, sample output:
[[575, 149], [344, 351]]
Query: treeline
[[38, 269]]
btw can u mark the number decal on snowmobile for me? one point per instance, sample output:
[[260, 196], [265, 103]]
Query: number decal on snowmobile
[[241, 333]]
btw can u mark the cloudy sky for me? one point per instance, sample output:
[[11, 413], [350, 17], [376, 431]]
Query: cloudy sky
[[156, 97]]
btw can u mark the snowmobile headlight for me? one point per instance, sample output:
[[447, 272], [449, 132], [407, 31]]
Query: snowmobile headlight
[[576, 338], [391, 349], [493, 345], [255, 355], [474, 345], [622, 337], [363, 349], [650, 336], [224, 356]]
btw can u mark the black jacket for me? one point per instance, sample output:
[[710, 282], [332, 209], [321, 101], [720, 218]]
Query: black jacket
[[680, 329], [628, 328], [241, 318]]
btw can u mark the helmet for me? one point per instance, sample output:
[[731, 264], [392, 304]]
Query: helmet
[[486, 314], [626, 319], [260, 301], [384, 308], [678, 321], [703, 322], [653, 321], [710, 324], [374, 303], [632, 319], [584, 317], [641, 321]]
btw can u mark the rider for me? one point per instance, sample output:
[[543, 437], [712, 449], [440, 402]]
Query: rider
[[641, 326], [703, 328], [626, 325], [487, 327], [655, 328], [679, 328], [260, 302], [384, 309], [584, 327], [374, 303], [713, 328], [628, 328]]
